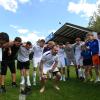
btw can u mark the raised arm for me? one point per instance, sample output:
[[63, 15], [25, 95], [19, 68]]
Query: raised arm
[[8, 44]]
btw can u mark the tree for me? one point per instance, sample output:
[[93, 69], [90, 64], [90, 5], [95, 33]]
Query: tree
[[94, 23]]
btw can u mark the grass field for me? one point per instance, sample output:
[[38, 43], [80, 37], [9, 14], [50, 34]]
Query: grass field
[[72, 89]]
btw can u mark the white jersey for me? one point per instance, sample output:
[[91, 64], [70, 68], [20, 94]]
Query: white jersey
[[61, 52], [23, 54], [38, 51], [49, 60], [61, 57], [0, 54], [78, 49], [78, 54]]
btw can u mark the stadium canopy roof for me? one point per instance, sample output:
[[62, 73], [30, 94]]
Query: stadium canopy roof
[[67, 33]]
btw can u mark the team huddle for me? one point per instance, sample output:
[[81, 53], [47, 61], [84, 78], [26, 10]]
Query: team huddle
[[50, 60]]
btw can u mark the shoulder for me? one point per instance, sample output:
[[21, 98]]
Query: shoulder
[[47, 53]]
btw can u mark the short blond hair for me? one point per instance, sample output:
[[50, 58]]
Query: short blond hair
[[52, 43], [89, 34]]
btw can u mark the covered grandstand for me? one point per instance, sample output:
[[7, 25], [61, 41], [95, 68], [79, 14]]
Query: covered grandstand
[[68, 32]]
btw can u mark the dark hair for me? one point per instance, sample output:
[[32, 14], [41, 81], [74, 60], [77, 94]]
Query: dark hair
[[60, 44], [28, 43], [54, 46], [4, 36], [42, 40], [98, 33], [78, 39], [18, 39]]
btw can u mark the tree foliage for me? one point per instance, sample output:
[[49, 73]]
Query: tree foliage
[[94, 23]]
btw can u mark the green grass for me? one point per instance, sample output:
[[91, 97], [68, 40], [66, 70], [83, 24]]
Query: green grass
[[70, 90]]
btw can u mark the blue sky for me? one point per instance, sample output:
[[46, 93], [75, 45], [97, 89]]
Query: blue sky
[[34, 19]]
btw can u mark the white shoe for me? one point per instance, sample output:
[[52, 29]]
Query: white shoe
[[57, 88], [28, 83], [97, 80], [34, 83], [91, 80], [64, 79], [22, 82], [61, 78], [42, 90]]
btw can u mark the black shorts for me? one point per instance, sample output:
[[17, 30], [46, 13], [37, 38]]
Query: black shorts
[[55, 73], [87, 62], [23, 65], [5, 64]]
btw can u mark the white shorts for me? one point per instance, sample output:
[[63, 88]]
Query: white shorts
[[61, 63], [46, 69], [36, 62], [78, 61]]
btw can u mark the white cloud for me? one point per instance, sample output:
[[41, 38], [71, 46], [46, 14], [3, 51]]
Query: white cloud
[[10, 5], [83, 8], [24, 1], [22, 31], [14, 26], [27, 35], [31, 37], [36, 32]]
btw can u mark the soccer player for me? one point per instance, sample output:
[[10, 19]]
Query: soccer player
[[38, 51], [49, 63], [10, 51], [69, 50], [93, 45], [4, 38], [49, 46], [61, 65], [87, 62], [79, 64], [24, 63]]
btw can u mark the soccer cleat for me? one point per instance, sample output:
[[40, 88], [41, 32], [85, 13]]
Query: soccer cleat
[[34, 83], [14, 84], [91, 80], [28, 83], [42, 89], [64, 79], [2, 89], [61, 78], [96, 81], [22, 82], [57, 88]]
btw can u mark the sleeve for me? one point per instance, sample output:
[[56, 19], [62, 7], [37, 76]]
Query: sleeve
[[33, 47]]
